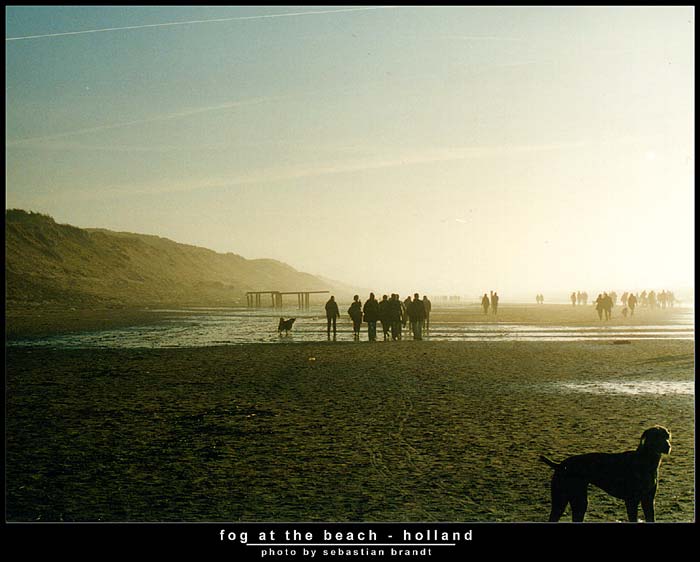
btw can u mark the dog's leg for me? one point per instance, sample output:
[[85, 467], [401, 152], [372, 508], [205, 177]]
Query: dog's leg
[[557, 511], [648, 506], [632, 505], [559, 499], [579, 499]]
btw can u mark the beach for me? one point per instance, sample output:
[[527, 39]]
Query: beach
[[337, 431]]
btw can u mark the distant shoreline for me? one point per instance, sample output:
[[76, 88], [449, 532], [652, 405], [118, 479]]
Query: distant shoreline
[[26, 322]]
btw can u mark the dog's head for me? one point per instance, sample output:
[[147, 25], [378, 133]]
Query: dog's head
[[656, 439]]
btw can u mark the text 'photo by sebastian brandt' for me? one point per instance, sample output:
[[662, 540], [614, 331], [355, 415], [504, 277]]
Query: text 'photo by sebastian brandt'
[[349, 264]]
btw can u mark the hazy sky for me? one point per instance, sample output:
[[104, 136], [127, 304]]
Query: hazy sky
[[438, 149]]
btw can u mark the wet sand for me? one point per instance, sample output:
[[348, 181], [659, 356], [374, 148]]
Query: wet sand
[[43, 321], [396, 431]]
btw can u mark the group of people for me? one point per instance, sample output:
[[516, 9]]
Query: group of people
[[392, 313], [604, 305], [492, 302], [606, 301], [395, 315], [579, 298], [653, 300]]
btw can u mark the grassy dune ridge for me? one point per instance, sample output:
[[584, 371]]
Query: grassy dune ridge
[[47, 262]]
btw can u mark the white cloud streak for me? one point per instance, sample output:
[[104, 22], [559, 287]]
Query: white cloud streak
[[164, 117], [195, 22], [482, 38], [300, 171]]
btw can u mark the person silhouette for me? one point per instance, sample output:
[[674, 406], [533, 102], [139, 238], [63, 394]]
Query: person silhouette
[[371, 314], [573, 298], [599, 306], [406, 317], [428, 307], [494, 303], [485, 303], [652, 299], [416, 313], [384, 316], [332, 313], [355, 312], [607, 305], [395, 315]]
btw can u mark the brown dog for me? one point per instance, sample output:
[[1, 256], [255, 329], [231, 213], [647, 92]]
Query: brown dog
[[631, 476]]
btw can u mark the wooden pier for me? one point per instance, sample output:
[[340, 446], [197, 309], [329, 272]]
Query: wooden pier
[[255, 298]]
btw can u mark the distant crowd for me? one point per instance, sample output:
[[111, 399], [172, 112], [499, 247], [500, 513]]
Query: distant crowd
[[412, 315], [606, 301]]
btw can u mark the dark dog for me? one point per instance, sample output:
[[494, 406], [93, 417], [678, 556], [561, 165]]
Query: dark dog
[[631, 476], [285, 325]]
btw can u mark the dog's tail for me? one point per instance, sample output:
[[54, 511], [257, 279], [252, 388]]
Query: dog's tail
[[549, 462]]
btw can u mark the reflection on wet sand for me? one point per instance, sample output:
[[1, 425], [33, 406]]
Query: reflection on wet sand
[[636, 387], [197, 327]]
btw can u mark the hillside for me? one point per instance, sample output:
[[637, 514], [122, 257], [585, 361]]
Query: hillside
[[48, 262]]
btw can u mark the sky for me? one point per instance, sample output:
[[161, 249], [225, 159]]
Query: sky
[[444, 150]]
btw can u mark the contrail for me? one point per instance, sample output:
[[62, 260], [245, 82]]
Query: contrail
[[123, 124], [192, 22]]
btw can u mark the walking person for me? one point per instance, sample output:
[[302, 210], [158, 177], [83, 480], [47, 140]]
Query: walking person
[[607, 305], [406, 316], [395, 315], [384, 316], [332, 313], [494, 303], [631, 303], [371, 315], [355, 312], [573, 298], [428, 307], [416, 313], [485, 303], [599, 306], [652, 299]]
